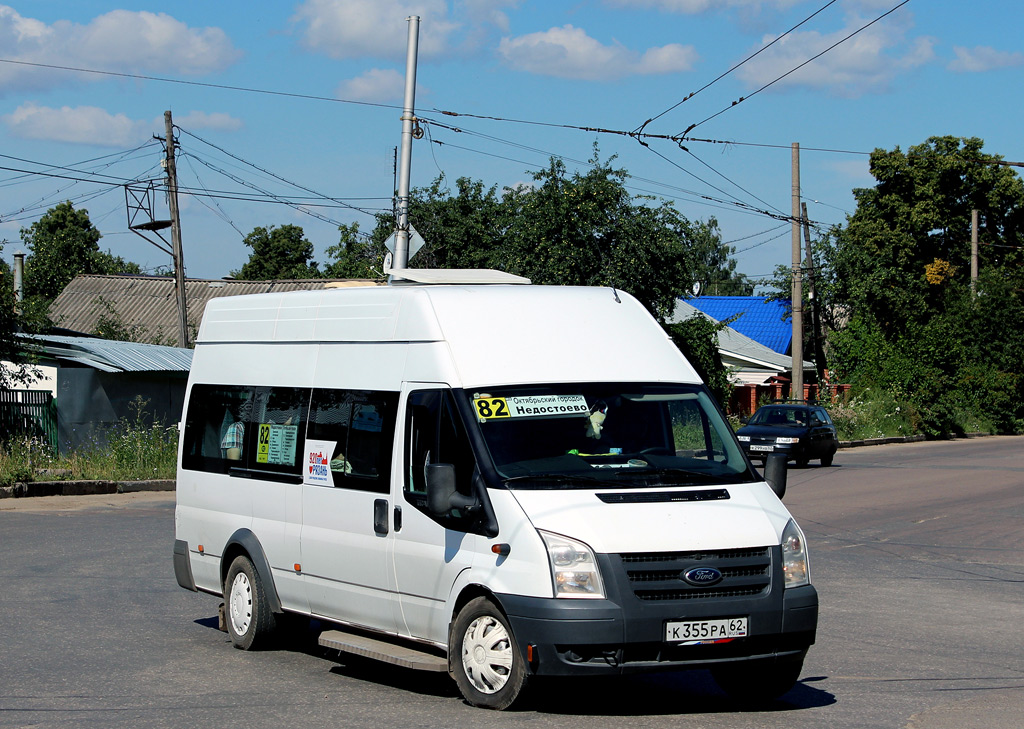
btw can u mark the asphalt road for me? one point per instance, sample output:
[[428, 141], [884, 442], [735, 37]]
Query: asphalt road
[[917, 553]]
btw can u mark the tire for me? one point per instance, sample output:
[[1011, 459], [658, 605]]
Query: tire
[[250, 622], [757, 682], [827, 460], [483, 656]]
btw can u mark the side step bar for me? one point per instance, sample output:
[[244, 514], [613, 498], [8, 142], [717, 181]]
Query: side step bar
[[399, 655]]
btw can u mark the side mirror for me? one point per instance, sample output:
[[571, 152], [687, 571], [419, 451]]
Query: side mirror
[[775, 472], [442, 495]]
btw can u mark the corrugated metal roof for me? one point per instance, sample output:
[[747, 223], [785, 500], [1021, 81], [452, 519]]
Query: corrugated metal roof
[[148, 303], [739, 351], [763, 321], [110, 356]]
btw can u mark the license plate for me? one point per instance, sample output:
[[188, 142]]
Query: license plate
[[762, 448], [693, 632]]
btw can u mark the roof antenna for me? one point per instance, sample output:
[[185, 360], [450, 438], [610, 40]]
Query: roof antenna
[[616, 295]]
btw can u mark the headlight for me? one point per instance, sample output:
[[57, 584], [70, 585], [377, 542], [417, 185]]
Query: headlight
[[794, 556], [743, 438], [784, 441], [573, 567]]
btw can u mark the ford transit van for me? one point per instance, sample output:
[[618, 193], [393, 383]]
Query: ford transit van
[[497, 480]]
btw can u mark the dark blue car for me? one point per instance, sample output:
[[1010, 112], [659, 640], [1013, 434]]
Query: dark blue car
[[803, 432]]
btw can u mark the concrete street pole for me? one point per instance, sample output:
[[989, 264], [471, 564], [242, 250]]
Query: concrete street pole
[[401, 258]]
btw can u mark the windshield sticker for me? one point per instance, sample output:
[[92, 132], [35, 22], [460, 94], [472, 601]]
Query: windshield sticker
[[532, 406], [277, 444]]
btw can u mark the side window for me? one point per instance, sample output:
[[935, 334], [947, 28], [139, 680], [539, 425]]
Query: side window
[[278, 421], [215, 427], [357, 428], [435, 434]]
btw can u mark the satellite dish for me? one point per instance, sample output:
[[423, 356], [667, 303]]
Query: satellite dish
[[696, 289]]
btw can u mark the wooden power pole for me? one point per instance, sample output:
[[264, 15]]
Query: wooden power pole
[[179, 262], [796, 391]]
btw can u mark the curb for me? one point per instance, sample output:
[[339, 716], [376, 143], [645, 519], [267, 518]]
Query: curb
[[82, 488], [902, 439]]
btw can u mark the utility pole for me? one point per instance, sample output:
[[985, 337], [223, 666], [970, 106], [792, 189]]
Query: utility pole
[[796, 391], [409, 130], [179, 262], [974, 253], [812, 293]]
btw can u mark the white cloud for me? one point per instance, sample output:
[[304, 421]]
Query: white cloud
[[866, 63], [568, 52], [121, 40], [377, 85], [82, 125], [693, 7], [983, 58], [373, 28], [219, 120]]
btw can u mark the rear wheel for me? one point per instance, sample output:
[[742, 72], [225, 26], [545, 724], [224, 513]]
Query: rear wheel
[[485, 660], [758, 681], [250, 621]]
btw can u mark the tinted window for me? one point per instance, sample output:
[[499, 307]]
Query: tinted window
[[278, 421], [435, 434], [357, 428], [215, 427]]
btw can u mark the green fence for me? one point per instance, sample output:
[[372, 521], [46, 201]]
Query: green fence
[[32, 413]]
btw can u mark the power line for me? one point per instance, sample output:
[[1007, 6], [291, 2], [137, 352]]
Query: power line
[[796, 68], [224, 87], [275, 176], [726, 73]]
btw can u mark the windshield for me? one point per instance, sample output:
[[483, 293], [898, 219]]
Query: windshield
[[616, 435], [780, 416]]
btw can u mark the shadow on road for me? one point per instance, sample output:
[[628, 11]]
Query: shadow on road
[[671, 693]]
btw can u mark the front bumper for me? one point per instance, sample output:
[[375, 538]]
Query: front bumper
[[623, 634]]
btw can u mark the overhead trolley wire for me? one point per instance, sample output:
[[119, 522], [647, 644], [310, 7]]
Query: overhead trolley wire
[[794, 69], [726, 73]]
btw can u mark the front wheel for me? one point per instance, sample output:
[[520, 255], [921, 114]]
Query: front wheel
[[758, 681], [249, 618], [484, 658], [827, 460]]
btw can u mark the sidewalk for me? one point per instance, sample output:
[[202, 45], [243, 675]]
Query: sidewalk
[[82, 488]]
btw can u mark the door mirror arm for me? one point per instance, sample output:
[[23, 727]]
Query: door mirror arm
[[442, 495]]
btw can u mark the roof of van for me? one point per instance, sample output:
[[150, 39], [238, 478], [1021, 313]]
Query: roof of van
[[495, 333]]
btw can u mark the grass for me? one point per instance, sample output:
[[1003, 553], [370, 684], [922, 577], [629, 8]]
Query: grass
[[134, 450]]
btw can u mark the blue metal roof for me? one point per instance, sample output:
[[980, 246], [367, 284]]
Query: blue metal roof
[[766, 322], [111, 356]]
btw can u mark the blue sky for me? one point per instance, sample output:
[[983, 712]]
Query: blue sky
[[523, 75]]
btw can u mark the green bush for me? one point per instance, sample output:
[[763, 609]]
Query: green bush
[[136, 449]]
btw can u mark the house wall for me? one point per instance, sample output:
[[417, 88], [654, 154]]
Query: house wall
[[90, 402]]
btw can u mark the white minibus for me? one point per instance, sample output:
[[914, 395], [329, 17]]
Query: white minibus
[[498, 480]]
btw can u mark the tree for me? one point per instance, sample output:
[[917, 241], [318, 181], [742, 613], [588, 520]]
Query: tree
[[714, 267], [64, 243], [354, 257], [900, 270], [918, 216], [278, 253]]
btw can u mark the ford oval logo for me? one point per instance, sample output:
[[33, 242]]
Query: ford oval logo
[[702, 576]]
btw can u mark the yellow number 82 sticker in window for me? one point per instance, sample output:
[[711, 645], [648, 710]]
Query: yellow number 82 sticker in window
[[490, 408]]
